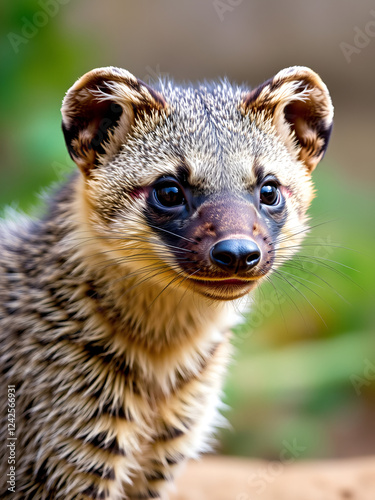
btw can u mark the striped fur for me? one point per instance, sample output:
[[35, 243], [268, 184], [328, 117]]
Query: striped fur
[[116, 354]]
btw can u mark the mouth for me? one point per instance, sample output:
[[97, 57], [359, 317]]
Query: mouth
[[224, 289]]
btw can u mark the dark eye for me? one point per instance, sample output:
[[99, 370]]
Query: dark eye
[[170, 195], [269, 194]]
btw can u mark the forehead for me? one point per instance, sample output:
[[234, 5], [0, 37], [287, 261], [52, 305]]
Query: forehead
[[206, 132]]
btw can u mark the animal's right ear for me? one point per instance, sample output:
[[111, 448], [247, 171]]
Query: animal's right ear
[[99, 110]]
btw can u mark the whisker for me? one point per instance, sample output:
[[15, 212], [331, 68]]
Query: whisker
[[297, 280], [321, 264], [319, 261], [269, 280], [125, 260], [280, 277], [136, 239], [277, 272], [331, 268], [144, 280], [162, 290], [300, 277], [294, 265], [179, 302], [307, 229], [301, 256], [303, 245], [171, 233]]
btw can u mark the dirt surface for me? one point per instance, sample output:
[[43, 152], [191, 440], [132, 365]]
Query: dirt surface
[[223, 478]]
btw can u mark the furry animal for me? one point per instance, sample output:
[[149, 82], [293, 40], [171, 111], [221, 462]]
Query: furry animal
[[116, 305]]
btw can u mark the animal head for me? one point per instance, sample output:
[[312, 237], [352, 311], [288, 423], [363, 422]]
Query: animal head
[[203, 186]]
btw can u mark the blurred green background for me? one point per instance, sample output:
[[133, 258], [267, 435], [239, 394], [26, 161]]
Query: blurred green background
[[304, 367]]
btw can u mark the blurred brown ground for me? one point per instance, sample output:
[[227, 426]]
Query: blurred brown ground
[[224, 478]]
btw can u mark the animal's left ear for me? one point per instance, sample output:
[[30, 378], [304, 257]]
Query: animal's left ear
[[298, 104]]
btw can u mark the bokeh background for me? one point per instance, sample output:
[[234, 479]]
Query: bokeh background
[[304, 369]]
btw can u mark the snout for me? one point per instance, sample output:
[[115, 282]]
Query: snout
[[225, 249], [235, 255], [230, 267]]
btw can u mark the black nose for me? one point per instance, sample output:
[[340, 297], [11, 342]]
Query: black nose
[[235, 255]]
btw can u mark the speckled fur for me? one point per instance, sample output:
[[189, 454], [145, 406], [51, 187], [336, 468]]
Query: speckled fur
[[117, 359]]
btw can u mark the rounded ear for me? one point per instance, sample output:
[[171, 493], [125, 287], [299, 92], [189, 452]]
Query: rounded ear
[[298, 104], [99, 110]]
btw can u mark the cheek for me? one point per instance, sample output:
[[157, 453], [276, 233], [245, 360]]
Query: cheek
[[293, 231]]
